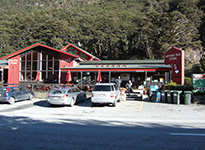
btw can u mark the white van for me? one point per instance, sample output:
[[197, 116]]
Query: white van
[[105, 93]]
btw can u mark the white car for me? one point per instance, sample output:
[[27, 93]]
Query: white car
[[66, 96], [105, 93]]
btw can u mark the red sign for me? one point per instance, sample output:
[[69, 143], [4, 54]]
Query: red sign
[[175, 57], [13, 72]]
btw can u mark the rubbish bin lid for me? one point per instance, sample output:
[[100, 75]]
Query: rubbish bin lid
[[187, 92], [176, 91]]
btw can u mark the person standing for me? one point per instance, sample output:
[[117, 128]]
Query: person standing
[[118, 81], [129, 87]]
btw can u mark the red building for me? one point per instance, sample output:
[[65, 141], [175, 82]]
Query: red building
[[24, 64], [40, 63]]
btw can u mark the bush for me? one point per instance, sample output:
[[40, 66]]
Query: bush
[[188, 81], [174, 86]]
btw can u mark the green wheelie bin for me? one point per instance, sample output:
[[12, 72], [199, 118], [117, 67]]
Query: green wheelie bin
[[164, 96], [187, 97], [169, 97], [176, 97]]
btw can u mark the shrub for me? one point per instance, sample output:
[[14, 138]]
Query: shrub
[[174, 86], [188, 81]]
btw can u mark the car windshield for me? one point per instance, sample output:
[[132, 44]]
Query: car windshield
[[58, 92], [102, 88]]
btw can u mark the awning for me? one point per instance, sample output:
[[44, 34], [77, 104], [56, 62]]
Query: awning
[[120, 67]]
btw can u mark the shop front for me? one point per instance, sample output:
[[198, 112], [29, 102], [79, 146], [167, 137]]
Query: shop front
[[141, 73], [40, 64]]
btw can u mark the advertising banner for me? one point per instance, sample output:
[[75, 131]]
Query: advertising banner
[[199, 83]]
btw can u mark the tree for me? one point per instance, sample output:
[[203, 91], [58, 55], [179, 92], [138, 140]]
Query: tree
[[128, 29]]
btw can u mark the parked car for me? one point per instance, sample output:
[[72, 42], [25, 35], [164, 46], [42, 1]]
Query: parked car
[[105, 93], [66, 96], [15, 93]]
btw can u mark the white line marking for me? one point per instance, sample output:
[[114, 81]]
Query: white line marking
[[187, 134]]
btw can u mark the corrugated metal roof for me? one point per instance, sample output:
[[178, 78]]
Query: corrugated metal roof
[[109, 62], [121, 66]]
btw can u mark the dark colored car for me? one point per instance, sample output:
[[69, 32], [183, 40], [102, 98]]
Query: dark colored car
[[13, 94]]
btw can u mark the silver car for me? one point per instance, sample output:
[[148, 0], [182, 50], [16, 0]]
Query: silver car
[[13, 94], [105, 93], [66, 96]]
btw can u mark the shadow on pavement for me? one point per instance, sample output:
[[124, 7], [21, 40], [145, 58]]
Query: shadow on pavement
[[91, 134], [44, 103]]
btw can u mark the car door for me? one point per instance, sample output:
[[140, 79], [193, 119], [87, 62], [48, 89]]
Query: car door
[[117, 91], [15, 93], [70, 93], [75, 94], [24, 93], [80, 95]]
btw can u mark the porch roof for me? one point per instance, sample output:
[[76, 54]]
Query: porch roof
[[120, 67], [101, 62]]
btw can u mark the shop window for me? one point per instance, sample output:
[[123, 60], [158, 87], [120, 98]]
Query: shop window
[[49, 65], [84, 56], [56, 65], [43, 65], [34, 65], [35, 55], [72, 50], [22, 65]]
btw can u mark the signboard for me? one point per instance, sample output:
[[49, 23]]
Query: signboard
[[199, 83], [13, 72], [175, 57]]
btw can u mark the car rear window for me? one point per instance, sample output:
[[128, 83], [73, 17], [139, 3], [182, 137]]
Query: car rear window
[[102, 88], [58, 92]]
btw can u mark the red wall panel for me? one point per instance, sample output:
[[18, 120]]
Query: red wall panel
[[13, 71], [175, 57]]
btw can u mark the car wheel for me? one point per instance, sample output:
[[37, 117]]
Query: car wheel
[[30, 97], [93, 104], [51, 105], [114, 104], [11, 100], [84, 98], [72, 102]]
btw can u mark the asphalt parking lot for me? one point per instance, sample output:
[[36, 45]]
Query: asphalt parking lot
[[132, 124], [135, 110]]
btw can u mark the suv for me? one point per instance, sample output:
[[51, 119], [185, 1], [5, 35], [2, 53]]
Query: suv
[[105, 93]]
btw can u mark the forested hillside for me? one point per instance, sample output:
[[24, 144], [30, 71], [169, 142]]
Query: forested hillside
[[109, 29]]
